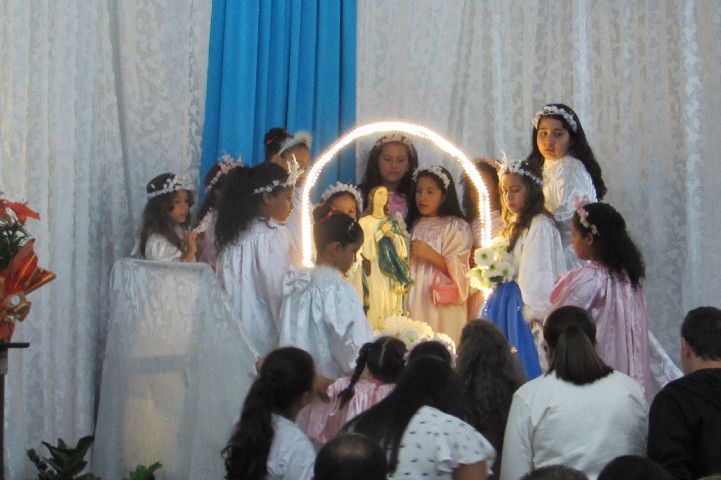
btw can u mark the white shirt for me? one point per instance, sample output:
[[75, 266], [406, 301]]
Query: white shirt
[[323, 315], [291, 455], [435, 444], [584, 427], [252, 270], [539, 262], [563, 180]]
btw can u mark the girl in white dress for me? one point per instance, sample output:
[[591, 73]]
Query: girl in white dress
[[420, 427], [518, 306], [266, 443], [346, 198], [322, 313], [163, 235], [560, 148], [255, 248], [441, 244]]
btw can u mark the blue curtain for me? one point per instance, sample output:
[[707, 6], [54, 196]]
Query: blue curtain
[[280, 63]]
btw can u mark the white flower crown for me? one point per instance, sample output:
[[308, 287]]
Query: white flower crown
[[435, 170], [227, 163], [580, 204], [294, 171], [508, 165], [339, 187], [304, 138], [553, 110], [172, 184], [394, 137]]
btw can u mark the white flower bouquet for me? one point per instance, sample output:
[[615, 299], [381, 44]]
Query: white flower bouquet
[[493, 265], [412, 332]]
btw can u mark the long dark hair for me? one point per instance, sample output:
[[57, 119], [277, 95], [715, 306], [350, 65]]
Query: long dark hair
[[211, 199], [534, 205], [578, 148], [156, 215], [385, 359], [571, 336], [612, 246], [430, 348], [239, 205], [372, 177], [470, 205], [331, 225], [427, 381], [273, 140], [285, 375], [489, 377], [450, 205]]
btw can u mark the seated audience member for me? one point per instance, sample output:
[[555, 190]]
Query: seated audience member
[[632, 467], [684, 433], [430, 348], [419, 427], [266, 443], [351, 457], [581, 413], [555, 472], [489, 378]]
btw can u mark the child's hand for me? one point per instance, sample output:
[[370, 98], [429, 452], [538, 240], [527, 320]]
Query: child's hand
[[421, 249], [387, 229], [191, 246], [321, 386]]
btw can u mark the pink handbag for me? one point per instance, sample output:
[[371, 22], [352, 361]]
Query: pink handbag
[[443, 293]]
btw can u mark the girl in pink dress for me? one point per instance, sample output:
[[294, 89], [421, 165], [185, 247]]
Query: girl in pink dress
[[391, 163], [441, 244], [383, 360], [610, 287]]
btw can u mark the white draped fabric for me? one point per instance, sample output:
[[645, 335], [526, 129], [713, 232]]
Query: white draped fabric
[[643, 77], [96, 98], [176, 370]]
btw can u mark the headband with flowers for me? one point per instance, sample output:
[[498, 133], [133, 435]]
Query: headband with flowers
[[339, 187], [435, 170], [226, 163], [172, 184], [554, 110], [298, 138], [508, 165], [580, 204], [294, 171]]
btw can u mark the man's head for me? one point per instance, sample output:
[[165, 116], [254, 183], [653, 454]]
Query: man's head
[[351, 456], [701, 339]]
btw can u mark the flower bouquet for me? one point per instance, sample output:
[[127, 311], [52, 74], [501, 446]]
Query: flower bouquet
[[19, 271], [412, 332], [493, 265]]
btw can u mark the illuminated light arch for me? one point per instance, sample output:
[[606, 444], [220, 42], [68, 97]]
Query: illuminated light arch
[[306, 226]]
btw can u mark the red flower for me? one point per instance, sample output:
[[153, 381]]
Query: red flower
[[21, 210]]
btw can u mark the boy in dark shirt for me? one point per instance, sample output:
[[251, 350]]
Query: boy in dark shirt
[[684, 432]]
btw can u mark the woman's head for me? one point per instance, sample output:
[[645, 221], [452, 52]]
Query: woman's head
[[391, 162], [557, 132], [435, 195], [599, 233], [337, 237], [169, 202], [570, 336], [265, 190], [377, 198], [427, 381], [343, 197], [284, 385], [489, 377], [384, 359], [522, 197]]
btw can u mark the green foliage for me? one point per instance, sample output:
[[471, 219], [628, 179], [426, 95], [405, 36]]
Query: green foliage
[[12, 236], [143, 473], [64, 463]]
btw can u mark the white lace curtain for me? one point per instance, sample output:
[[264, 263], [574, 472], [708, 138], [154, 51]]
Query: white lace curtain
[[95, 99], [643, 76]]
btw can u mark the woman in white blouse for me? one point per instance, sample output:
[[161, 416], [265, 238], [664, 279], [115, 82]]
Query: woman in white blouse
[[581, 414], [266, 443], [419, 425]]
